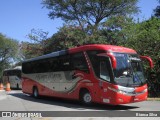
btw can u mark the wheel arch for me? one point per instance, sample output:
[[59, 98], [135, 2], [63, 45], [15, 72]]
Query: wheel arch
[[34, 87], [82, 90]]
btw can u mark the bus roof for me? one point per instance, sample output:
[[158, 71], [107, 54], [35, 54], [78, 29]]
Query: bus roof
[[110, 48], [53, 54]]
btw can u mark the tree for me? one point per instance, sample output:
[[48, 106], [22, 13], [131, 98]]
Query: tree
[[112, 31], [70, 36], [67, 36], [115, 29], [85, 20], [8, 52], [30, 50], [89, 13], [146, 34], [37, 46], [157, 11]]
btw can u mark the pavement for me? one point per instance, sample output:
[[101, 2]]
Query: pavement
[[16, 101], [3, 94]]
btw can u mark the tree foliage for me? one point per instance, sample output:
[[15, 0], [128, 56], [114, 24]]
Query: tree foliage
[[89, 13], [145, 34], [37, 46], [145, 39], [86, 21], [30, 50], [111, 31], [114, 30], [8, 52], [157, 11], [67, 36]]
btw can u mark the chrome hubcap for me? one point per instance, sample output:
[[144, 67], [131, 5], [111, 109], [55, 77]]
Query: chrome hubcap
[[87, 98]]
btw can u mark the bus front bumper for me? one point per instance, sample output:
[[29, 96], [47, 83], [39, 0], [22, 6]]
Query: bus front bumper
[[117, 98]]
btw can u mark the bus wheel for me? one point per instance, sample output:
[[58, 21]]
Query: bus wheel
[[86, 97], [35, 92]]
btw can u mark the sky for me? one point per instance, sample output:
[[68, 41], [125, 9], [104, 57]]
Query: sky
[[18, 17]]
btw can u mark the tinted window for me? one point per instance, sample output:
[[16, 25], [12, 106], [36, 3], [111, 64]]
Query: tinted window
[[104, 72], [94, 60], [79, 62], [40, 66], [65, 64], [12, 73], [101, 65], [62, 63]]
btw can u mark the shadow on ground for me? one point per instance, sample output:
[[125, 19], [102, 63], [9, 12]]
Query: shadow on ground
[[70, 103]]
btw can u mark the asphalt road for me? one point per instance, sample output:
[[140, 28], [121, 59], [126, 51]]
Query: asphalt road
[[17, 101]]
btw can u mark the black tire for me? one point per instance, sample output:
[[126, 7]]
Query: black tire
[[35, 92], [85, 97]]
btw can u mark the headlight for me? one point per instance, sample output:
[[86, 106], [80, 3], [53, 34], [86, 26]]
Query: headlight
[[130, 93], [121, 91]]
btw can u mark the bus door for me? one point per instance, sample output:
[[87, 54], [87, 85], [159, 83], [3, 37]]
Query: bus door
[[105, 74]]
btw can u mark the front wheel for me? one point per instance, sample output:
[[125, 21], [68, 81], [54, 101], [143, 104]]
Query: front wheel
[[86, 98]]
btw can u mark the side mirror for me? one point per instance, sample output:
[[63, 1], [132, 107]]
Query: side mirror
[[112, 57], [148, 59]]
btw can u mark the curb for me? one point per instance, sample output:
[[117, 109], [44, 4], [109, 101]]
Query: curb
[[153, 99]]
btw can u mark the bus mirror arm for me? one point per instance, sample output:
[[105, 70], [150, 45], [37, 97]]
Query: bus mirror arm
[[148, 59], [113, 60], [112, 57]]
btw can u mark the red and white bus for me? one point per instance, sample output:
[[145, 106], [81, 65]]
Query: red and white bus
[[90, 73]]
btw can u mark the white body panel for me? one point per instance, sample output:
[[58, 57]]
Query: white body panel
[[57, 81]]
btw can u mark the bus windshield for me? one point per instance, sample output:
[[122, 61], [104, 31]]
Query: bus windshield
[[129, 71]]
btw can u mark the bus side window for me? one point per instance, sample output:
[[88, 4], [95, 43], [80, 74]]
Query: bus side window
[[28, 67], [53, 65], [79, 62], [19, 73], [10, 73], [94, 60], [104, 73], [42, 66], [65, 63]]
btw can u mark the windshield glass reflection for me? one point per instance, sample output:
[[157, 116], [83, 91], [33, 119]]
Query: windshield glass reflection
[[129, 70]]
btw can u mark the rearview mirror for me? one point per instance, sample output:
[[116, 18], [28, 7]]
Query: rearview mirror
[[148, 59], [112, 57]]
